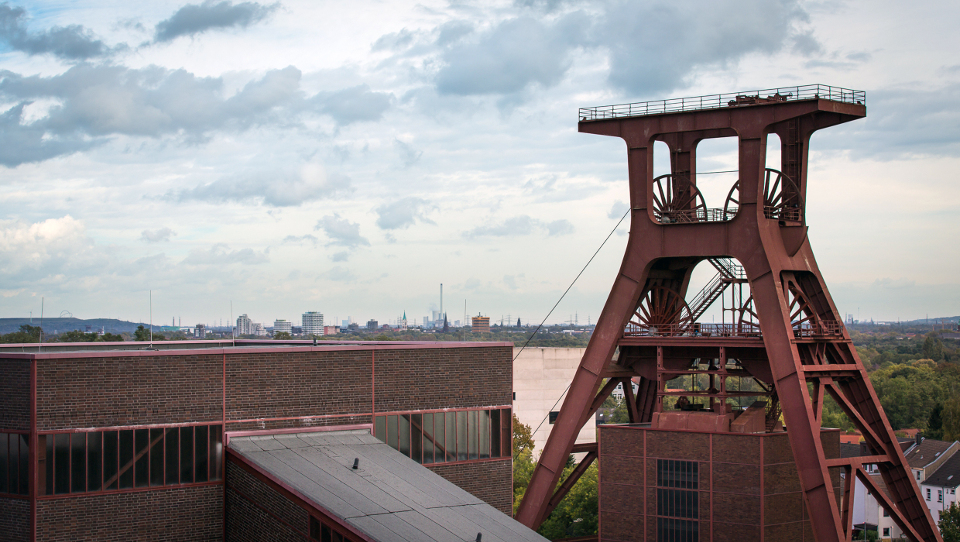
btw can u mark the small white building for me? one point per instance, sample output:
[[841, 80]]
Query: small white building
[[939, 489], [282, 326]]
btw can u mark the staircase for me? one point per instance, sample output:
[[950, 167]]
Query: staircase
[[728, 272]]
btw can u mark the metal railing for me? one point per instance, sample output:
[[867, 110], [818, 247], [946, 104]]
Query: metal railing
[[825, 328], [717, 101], [692, 216]]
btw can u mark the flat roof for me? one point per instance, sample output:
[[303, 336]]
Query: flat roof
[[193, 348], [389, 497]]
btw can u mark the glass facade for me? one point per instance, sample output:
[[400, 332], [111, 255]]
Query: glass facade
[[93, 461], [447, 436]]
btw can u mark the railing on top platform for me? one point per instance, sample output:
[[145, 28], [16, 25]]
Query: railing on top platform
[[717, 101], [825, 328]]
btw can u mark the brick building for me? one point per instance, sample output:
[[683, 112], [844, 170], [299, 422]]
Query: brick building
[[109, 442]]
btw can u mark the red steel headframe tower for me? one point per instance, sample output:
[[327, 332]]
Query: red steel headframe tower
[[787, 334]]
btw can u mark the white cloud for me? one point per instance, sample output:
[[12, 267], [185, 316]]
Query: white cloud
[[157, 236]]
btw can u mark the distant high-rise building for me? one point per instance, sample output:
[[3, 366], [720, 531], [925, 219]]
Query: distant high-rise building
[[200, 332], [481, 324], [372, 325], [244, 325], [259, 330], [312, 323], [282, 325]]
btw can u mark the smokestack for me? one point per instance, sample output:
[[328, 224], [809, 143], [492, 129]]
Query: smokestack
[[441, 298]]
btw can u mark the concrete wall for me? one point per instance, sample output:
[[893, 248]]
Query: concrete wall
[[540, 378]]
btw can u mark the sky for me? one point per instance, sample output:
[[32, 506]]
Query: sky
[[350, 157]]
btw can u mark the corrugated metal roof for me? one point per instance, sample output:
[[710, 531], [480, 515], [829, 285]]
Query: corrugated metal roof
[[389, 497]]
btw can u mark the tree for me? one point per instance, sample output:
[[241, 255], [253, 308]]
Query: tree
[[933, 347], [282, 336], [935, 423], [522, 437], [951, 419], [111, 338], [950, 523], [27, 334], [143, 334], [576, 515]]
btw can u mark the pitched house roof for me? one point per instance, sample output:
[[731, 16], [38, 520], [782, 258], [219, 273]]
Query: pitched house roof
[[928, 451]]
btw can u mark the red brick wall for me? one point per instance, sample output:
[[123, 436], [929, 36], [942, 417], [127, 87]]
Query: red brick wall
[[116, 391], [256, 512], [14, 520], [489, 481], [15, 391], [295, 384], [180, 514], [444, 378]]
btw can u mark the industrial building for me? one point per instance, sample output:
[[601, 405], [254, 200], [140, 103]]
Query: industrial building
[[255, 440]]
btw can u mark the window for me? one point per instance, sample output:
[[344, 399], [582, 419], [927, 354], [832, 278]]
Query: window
[[92, 461], [886, 531], [939, 495], [438, 437], [320, 530], [886, 513], [928, 494], [14, 455], [678, 503]]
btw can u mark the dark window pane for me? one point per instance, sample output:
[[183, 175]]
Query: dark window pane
[[428, 446], [462, 436], [451, 427], [94, 461], [200, 447], [142, 454], [392, 431], [110, 460], [78, 462], [314, 528], [126, 459], [45, 466], [484, 430], [62, 467], [24, 464], [186, 455], [380, 428], [4, 462], [439, 432], [156, 457], [472, 435], [506, 433], [216, 451], [416, 437], [495, 433], [171, 440], [326, 534], [403, 432]]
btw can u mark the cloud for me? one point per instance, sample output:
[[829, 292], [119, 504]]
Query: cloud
[[354, 104], [509, 57], [341, 232], [300, 239], [559, 227], [56, 252], [72, 42], [618, 210], [271, 189], [339, 274], [700, 34], [91, 103], [220, 254], [408, 155], [341, 256], [194, 19], [26, 143], [403, 213], [521, 225], [157, 236]]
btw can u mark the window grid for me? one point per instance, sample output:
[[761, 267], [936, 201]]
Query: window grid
[[14, 461], [447, 436], [678, 502], [129, 459]]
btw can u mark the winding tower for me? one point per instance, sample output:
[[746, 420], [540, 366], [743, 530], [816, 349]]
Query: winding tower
[[784, 333]]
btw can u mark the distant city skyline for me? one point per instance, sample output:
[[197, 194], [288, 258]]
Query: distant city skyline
[[436, 142]]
